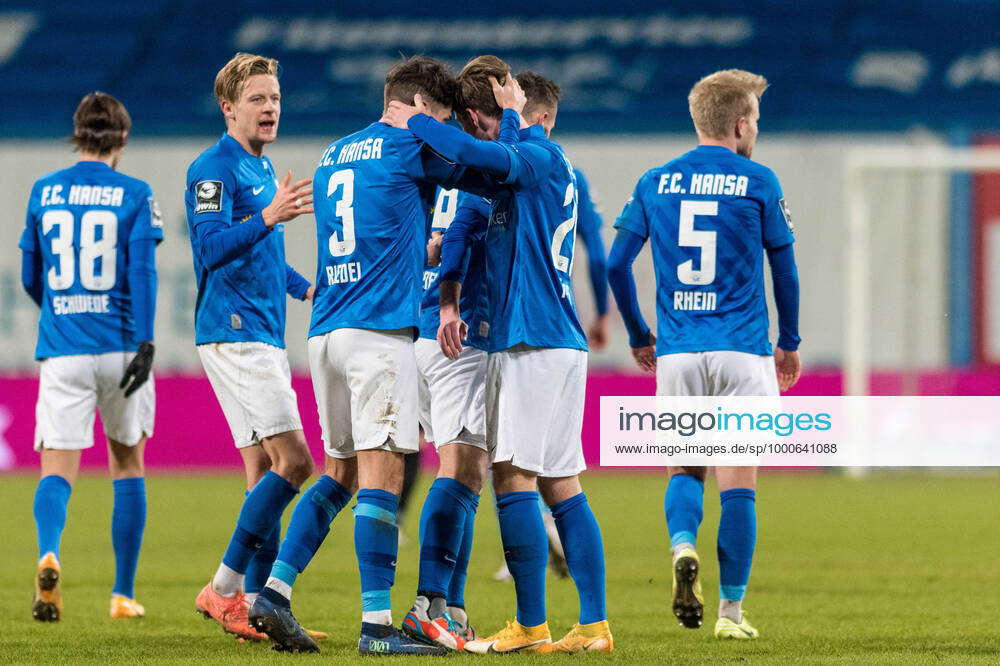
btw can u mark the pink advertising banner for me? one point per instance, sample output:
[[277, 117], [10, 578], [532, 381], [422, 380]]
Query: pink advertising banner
[[191, 433]]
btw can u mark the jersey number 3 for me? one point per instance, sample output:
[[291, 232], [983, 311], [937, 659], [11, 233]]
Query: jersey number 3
[[341, 247], [688, 236], [91, 249]]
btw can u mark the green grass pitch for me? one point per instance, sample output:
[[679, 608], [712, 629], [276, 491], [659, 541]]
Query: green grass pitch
[[888, 569]]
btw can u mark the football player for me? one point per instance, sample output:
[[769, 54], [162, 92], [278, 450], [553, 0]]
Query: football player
[[236, 213], [710, 216], [88, 262], [536, 373], [377, 186]]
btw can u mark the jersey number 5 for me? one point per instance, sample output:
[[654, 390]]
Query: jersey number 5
[[91, 249], [688, 236], [341, 247]]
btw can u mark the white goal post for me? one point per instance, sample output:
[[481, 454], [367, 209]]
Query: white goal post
[[857, 249]]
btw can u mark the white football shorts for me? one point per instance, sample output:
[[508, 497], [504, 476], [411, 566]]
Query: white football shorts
[[534, 409], [715, 373], [452, 395], [72, 388], [253, 384], [366, 390]]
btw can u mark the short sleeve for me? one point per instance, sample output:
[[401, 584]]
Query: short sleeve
[[777, 222], [148, 223], [29, 236], [633, 217]]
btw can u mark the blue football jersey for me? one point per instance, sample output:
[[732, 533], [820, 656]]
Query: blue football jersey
[[372, 201], [81, 221], [475, 210], [528, 296], [242, 300], [709, 215]]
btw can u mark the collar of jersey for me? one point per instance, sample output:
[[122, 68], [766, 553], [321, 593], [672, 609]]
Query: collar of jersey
[[715, 149], [231, 143], [93, 164], [534, 131]]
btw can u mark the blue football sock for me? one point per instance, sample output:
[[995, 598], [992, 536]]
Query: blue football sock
[[260, 566], [581, 540], [259, 517], [310, 524], [51, 498], [128, 521], [737, 536], [442, 526], [456, 588], [526, 549], [683, 505], [375, 543]]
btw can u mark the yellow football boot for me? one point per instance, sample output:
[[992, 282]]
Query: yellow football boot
[[689, 604], [316, 635], [47, 603], [726, 628], [515, 637], [594, 637], [123, 608]]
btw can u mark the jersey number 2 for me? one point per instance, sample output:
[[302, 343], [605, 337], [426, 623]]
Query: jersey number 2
[[559, 260], [341, 247], [91, 249], [688, 236]]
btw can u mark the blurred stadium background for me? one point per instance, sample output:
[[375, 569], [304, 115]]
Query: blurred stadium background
[[845, 77]]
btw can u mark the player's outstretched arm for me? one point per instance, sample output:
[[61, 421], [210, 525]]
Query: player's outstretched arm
[[623, 252], [785, 277], [220, 242]]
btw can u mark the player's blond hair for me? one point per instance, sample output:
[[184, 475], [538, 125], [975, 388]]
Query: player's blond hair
[[233, 76], [719, 100]]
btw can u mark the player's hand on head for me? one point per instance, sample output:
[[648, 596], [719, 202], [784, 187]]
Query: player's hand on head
[[434, 249], [290, 201], [646, 356], [788, 366], [509, 95], [597, 334], [451, 332], [398, 114], [138, 369]]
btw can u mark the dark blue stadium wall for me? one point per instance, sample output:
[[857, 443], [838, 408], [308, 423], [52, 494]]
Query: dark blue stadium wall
[[624, 66]]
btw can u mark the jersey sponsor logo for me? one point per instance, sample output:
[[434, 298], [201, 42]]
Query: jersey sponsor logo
[[695, 300], [258, 190], [209, 195], [155, 216], [787, 214]]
